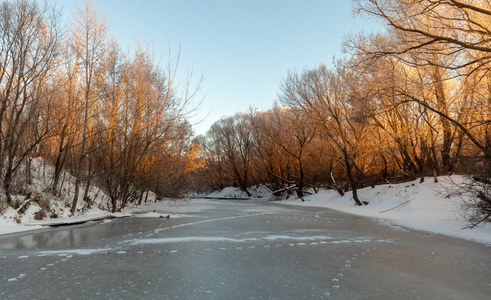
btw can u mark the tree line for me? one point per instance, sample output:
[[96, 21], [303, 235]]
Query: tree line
[[409, 102], [70, 95]]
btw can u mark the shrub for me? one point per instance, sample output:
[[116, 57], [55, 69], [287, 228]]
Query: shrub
[[39, 215]]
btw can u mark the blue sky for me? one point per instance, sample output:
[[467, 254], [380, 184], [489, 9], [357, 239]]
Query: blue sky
[[243, 48]]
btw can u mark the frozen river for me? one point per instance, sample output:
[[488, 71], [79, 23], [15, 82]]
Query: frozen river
[[242, 250]]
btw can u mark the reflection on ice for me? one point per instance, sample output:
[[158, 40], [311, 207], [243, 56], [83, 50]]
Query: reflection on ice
[[190, 239], [71, 236]]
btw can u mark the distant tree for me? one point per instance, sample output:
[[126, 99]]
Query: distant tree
[[230, 141], [286, 137], [324, 96]]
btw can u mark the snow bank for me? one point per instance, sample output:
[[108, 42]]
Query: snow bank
[[39, 206], [427, 206], [37, 196], [257, 192], [173, 208]]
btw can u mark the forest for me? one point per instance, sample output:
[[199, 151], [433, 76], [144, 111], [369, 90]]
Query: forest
[[413, 101], [75, 99]]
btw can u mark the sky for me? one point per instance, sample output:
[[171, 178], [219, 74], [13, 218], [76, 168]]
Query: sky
[[242, 49]]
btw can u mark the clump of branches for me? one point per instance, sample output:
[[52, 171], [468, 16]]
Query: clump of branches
[[478, 202]]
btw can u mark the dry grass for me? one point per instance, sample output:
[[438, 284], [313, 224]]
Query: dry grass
[[44, 204]]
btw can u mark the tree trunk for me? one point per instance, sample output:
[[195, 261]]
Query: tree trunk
[[336, 186], [60, 159], [140, 199], [87, 188], [7, 182], [76, 191], [28, 170], [113, 204], [56, 175], [350, 177], [446, 126], [146, 196], [300, 184]]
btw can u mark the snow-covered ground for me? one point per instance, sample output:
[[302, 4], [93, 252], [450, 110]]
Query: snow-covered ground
[[234, 193], [428, 206], [168, 207], [40, 207]]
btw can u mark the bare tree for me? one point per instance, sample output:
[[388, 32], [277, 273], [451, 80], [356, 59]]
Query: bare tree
[[66, 111], [30, 37], [230, 141], [90, 46], [443, 40], [324, 96], [456, 28], [288, 135]]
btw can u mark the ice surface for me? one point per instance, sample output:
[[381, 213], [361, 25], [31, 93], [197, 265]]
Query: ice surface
[[190, 239], [76, 251], [228, 239]]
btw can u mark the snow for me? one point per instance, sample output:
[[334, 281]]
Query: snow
[[427, 206], [228, 192], [173, 208], [57, 207], [258, 192]]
